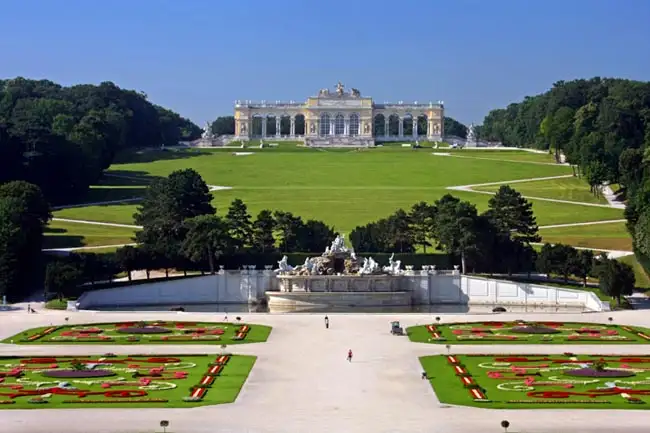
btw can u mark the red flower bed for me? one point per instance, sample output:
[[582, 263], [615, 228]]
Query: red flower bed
[[138, 400], [198, 393], [66, 374], [223, 359], [43, 333]]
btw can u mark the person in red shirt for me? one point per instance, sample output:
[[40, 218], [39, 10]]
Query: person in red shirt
[[350, 355]]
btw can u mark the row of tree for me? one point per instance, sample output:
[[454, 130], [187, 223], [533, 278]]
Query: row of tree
[[62, 138], [603, 128], [498, 239], [591, 121], [179, 221]]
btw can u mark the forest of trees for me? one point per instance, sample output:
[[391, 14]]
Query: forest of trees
[[62, 138], [603, 128], [55, 142]]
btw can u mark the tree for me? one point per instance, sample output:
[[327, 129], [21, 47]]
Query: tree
[[616, 279], [206, 239], [455, 226], [290, 229], [631, 167], [12, 240], [239, 224], [453, 127], [263, 227], [127, 259], [61, 277], [557, 259], [513, 215], [421, 218], [223, 125], [315, 237], [583, 265], [399, 233]]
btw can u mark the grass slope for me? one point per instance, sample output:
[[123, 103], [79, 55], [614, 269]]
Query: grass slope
[[612, 236], [569, 188], [59, 234]]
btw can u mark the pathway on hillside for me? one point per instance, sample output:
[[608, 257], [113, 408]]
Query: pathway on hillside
[[564, 164]]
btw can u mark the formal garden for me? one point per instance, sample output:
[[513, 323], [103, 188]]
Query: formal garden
[[565, 381], [526, 332], [130, 381], [145, 332]]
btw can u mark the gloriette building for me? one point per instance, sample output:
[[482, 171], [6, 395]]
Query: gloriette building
[[339, 118]]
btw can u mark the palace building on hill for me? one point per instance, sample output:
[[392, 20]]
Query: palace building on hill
[[339, 118]]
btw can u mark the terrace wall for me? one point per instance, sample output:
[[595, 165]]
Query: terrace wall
[[425, 288]]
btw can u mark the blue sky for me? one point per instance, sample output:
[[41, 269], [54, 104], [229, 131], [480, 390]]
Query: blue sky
[[197, 56]]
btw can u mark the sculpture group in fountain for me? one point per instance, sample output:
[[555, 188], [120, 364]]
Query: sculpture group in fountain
[[339, 259]]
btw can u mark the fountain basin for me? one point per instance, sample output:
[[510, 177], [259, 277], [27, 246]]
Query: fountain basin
[[339, 283]]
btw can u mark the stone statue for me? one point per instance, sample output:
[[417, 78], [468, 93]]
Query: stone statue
[[243, 128], [338, 246], [393, 267], [312, 128], [207, 131], [284, 266], [369, 267], [471, 134], [355, 92], [340, 89], [366, 128], [323, 92]]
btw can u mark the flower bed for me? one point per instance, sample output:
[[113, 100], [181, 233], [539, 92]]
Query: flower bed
[[521, 332], [144, 333], [86, 380], [542, 380]]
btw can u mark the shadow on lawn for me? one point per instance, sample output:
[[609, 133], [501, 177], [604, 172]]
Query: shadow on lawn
[[151, 155], [61, 241]]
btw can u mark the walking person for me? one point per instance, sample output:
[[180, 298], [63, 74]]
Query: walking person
[[327, 322], [29, 308], [350, 355]]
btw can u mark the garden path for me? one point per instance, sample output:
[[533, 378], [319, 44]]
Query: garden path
[[302, 383]]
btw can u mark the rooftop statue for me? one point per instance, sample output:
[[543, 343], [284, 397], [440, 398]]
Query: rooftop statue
[[355, 92], [340, 89]]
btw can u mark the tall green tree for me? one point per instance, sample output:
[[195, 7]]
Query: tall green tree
[[315, 237], [513, 215], [263, 228], [239, 224], [455, 227], [290, 228], [224, 125], [421, 218], [12, 240], [206, 239], [616, 279]]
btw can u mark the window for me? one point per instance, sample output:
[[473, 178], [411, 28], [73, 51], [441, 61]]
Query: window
[[325, 124], [339, 124], [354, 124]]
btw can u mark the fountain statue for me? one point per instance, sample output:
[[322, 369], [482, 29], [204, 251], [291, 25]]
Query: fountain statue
[[471, 136], [284, 266], [393, 267]]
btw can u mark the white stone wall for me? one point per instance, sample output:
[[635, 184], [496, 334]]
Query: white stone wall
[[427, 288]]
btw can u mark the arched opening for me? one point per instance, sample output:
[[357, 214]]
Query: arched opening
[[270, 125], [299, 128], [354, 124], [285, 125], [379, 125], [256, 128], [423, 125], [393, 125], [339, 124], [407, 125], [324, 124]]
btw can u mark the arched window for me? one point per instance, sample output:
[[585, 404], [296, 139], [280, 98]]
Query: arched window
[[339, 125], [354, 124], [380, 125], [325, 124]]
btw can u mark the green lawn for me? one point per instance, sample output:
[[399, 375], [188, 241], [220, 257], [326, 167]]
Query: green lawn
[[178, 379], [569, 188], [59, 234], [510, 154], [547, 333], [612, 236], [536, 381], [169, 333]]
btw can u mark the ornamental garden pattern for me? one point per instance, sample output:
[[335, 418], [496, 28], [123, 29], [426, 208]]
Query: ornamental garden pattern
[[121, 381]]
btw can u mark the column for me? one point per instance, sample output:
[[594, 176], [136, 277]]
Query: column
[[346, 129], [430, 128], [386, 126], [415, 128], [277, 126], [401, 127], [292, 131], [332, 129], [264, 120]]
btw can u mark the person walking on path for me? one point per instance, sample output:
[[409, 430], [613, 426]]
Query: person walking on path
[[327, 322], [350, 355]]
